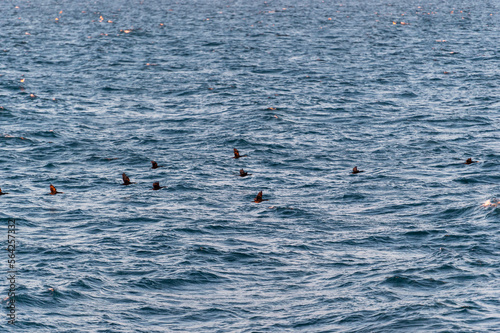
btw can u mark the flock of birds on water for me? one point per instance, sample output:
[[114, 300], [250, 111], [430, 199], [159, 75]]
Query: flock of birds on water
[[258, 198]]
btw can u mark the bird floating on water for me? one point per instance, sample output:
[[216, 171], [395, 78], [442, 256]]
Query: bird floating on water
[[53, 190], [491, 203], [258, 198], [156, 186], [470, 161], [243, 173], [237, 154], [126, 180], [2, 193], [355, 170], [155, 165]]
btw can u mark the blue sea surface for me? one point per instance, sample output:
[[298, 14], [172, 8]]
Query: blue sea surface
[[404, 90]]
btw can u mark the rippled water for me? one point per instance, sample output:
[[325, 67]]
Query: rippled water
[[406, 91]]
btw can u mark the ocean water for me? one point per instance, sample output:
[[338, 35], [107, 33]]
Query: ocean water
[[404, 90]]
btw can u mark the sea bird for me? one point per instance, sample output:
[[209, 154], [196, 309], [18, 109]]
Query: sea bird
[[258, 198], [126, 180], [237, 154], [2, 193], [470, 161], [355, 170], [491, 203], [53, 190], [155, 165], [156, 186], [243, 173]]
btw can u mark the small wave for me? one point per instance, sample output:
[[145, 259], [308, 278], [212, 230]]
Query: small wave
[[404, 281], [195, 277]]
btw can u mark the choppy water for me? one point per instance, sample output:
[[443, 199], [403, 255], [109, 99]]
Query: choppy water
[[403, 247]]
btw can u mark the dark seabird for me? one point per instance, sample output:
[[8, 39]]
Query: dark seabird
[[470, 161], [243, 173], [237, 154], [126, 180], [2, 193], [258, 198], [355, 170], [156, 186], [53, 190], [155, 165]]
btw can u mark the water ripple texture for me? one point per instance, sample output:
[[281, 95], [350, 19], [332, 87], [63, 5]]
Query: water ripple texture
[[406, 91]]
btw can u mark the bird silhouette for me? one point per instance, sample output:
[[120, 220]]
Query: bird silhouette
[[53, 190], [355, 170], [237, 154], [156, 186], [155, 165], [243, 173], [126, 180], [470, 161], [2, 193], [258, 198]]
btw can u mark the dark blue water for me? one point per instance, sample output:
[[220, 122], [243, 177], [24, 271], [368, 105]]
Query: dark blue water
[[306, 89]]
